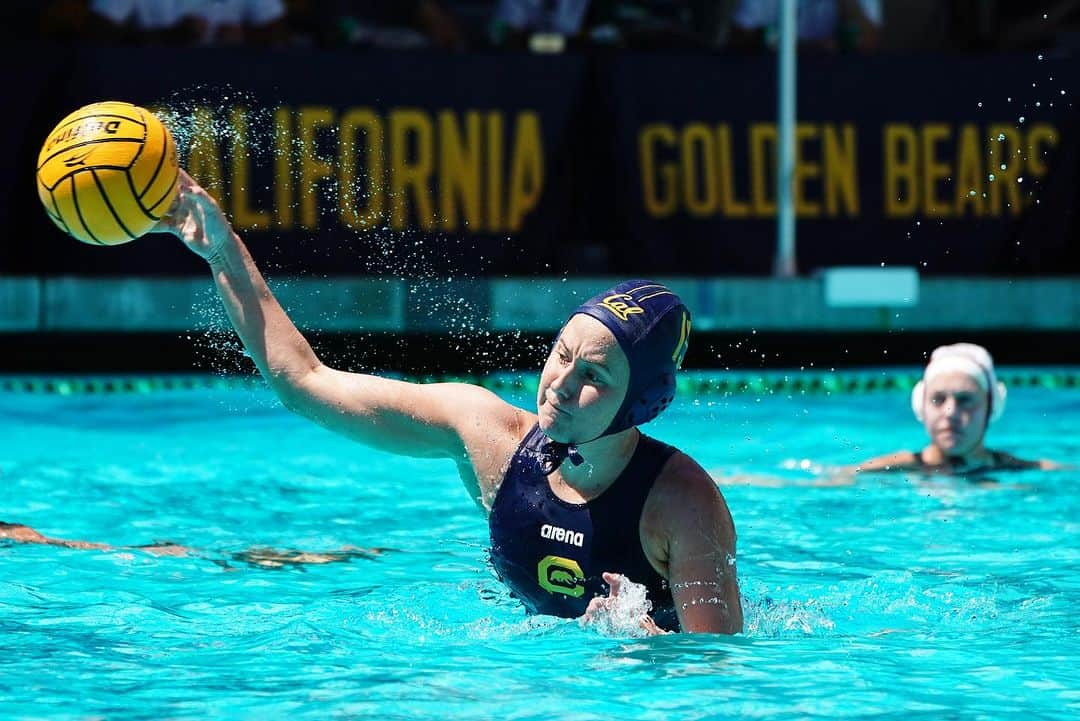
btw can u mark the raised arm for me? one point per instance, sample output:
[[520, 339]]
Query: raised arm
[[409, 419]]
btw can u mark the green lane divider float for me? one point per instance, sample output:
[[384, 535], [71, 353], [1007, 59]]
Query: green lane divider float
[[690, 383]]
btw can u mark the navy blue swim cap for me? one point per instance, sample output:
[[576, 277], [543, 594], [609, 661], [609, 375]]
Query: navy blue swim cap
[[652, 327]]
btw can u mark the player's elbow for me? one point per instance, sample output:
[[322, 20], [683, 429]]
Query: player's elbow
[[292, 389]]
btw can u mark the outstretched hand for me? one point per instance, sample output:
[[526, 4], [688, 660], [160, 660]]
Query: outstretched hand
[[605, 604], [196, 219]]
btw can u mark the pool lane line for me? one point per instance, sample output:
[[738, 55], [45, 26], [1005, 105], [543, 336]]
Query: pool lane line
[[689, 383]]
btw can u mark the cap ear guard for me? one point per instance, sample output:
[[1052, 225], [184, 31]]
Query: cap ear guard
[[917, 400], [652, 401], [997, 401]]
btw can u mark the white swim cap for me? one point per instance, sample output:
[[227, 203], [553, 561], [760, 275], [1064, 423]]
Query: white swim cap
[[971, 360]]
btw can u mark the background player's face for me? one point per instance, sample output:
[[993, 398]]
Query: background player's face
[[955, 411], [583, 382]]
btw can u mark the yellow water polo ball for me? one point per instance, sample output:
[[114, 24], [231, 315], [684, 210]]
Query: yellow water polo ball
[[107, 173]]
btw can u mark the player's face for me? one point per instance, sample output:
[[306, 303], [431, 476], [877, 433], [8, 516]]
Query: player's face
[[583, 382], [955, 411]]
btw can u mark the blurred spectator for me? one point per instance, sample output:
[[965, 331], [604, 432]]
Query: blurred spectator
[[662, 24], [539, 24], [232, 22], [189, 22], [390, 24], [144, 22], [550, 25], [823, 25]]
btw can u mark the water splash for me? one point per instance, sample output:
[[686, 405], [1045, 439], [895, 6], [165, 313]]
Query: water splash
[[621, 615]]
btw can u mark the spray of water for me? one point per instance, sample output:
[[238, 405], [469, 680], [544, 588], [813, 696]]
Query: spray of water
[[621, 615]]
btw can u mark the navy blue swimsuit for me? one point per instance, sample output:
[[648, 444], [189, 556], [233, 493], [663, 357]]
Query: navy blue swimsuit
[[551, 552]]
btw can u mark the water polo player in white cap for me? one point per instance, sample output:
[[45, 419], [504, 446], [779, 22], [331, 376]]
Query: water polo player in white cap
[[957, 399]]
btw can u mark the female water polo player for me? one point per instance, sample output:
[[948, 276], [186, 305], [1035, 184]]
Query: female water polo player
[[577, 498], [957, 399]]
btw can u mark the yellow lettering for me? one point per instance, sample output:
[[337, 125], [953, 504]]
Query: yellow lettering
[[901, 186], [204, 161], [841, 178], [969, 172], [410, 174], [697, 162], [660, 197], [361, 136], [1005, 166], [459, 170], [1040, 135], [243, 216], [804, 170], [527, 170], [731, 207], [494, 171], [314, 170], [762, 163], [933, 170], [283, 170]]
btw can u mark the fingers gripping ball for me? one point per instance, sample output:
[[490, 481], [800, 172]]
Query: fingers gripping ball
[[107, 173]]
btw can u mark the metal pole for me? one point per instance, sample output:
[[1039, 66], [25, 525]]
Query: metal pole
[[784, 262]]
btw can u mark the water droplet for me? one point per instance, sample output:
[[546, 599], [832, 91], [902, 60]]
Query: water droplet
[[971, 193], [1001, 136], [980, 103], [1062, 92], [1020, 179], [992, 176], [1038, 104], [1003, 166], [1022, 118], [1040, 56]]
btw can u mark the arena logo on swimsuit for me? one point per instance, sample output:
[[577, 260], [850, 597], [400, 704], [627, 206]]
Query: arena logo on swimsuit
[[554, 533]]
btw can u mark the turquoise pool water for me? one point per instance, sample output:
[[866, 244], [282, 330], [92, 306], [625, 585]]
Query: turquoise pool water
[[896, 597]]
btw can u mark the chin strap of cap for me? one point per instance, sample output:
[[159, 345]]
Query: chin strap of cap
[[552, 454]]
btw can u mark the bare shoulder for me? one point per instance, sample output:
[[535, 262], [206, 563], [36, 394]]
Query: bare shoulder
[[1007, 461], [481, 417], [898, 461], [682, 479], [490, 430], [683, 498]]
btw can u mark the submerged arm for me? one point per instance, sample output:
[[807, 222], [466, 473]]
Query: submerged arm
[[24, 534]]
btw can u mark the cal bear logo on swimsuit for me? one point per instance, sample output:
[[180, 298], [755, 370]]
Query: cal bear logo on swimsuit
[[561, 575]]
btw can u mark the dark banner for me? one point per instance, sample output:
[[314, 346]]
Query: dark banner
[[421, 165], [940, 163]]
